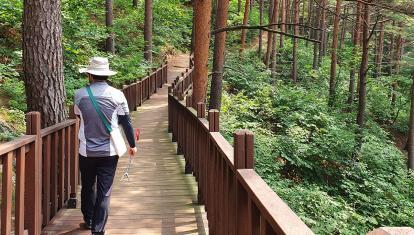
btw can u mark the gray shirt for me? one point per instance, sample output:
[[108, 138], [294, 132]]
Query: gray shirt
[[94, 139]]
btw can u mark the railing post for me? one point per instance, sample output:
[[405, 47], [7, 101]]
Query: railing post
[[32, 199], [165, 73], [214, 120], [201, 110], [74, 168], [149, 85], [243, 159], [188, 101]]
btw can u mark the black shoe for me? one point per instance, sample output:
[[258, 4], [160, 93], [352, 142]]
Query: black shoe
[[98, 233], [88, 224]]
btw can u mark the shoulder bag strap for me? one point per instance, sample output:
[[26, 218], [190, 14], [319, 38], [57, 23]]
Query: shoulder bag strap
[[98, 110]]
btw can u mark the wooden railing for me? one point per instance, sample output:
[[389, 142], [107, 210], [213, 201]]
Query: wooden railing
[[46, 168], [46, 174], [236, 198], [141, 90]]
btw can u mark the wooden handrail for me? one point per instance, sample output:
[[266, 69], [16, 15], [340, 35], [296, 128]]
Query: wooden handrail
[[236, 198], [273, 209], [52, 129], [142, 89], [16, 144], [47, 164]]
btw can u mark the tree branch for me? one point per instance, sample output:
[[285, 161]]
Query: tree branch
[[411, 14], [264, 28]]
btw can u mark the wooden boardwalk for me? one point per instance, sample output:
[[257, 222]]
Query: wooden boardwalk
[[159, 198]]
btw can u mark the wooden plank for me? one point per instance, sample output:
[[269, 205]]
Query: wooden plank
[[20, 184], [74, 155], [16, 144], [61, 169], [33, 190], [6, 194], [67, 172], [57, 127], [46, 179], [54, 175], [275, 211]]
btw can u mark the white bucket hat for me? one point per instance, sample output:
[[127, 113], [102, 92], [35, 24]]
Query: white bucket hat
[[98, 66]]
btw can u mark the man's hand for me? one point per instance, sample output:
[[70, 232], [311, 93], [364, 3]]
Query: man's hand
[[132, 151]]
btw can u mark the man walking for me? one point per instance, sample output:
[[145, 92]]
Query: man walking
[[101, 109]]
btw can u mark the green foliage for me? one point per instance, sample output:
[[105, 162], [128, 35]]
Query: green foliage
[[84, 35], [306, 151], [11, 124]]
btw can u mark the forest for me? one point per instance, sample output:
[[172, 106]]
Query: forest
[[325, 85]]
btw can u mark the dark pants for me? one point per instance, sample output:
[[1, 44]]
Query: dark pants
[[97, 174]]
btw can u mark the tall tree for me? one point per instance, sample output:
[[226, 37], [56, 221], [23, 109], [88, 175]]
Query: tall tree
[[295, 40], [410, 146], [43, 60], [245, 22], [317, 35], [272, 36], [323, 45], [396, 65], [334, 56], [273, 56], [364, 66], [380, 50], [109, 16], [148, 31], [282, 22], [135, 3], [357, 42], [260, 31], [202, 10], [219, 55]]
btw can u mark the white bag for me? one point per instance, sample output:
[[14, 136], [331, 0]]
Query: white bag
[[119, 143]]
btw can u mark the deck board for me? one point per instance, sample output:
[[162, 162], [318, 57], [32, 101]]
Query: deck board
[[159, 198]]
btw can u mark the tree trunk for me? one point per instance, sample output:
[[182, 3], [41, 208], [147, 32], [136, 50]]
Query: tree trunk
[[295, 41], [302, 21], [201, 46], [411, 132], [356, 41], [283, 21], [397, 66], [192, 30], [272, 36], [288, 14], [148, 31], [380, 51], [317, 35], [219, 55], [309, 19], [322, 46], [274, 41], [110, 41], [135, 3], [245, 22], [343, 30], [43, 60], [239, 3], [334, 56], [363, 68], [260, 31]]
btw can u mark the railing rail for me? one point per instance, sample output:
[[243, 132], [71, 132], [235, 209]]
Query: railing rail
[[47, 164], [237, 200], [141, 90], [46, 170]]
